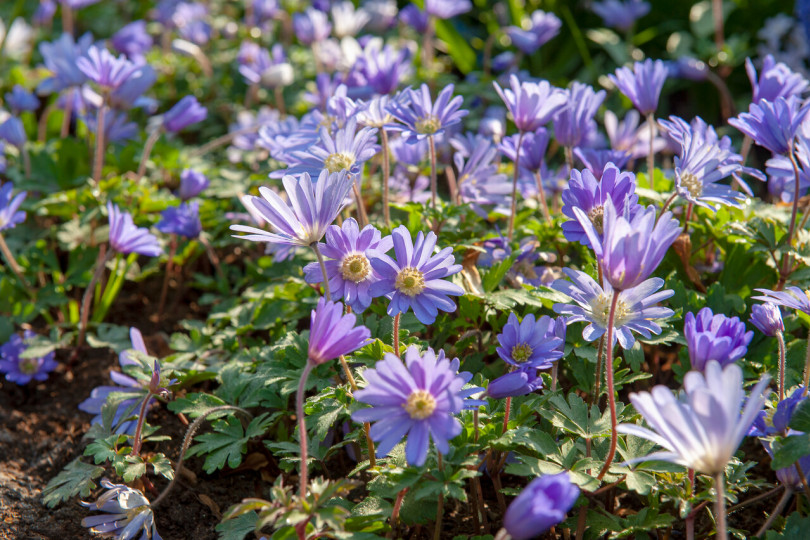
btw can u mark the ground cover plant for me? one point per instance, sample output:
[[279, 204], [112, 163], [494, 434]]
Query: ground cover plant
[[449, 269]]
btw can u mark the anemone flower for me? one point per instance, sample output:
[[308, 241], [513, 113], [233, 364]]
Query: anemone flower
[[530, 343]]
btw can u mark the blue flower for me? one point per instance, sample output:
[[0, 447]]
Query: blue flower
[[333, 334], [772, 124], [21, 370], [20, 99], [715, 337], [531, 343], [311, 26], [532, 104], [775, 80], [126, 238], [574, 121], [643, 84], [132, 40], [540, 506], [10, 215], [183, 220], [185, 112], [192, 183], [128, 515], [421, 117], [104, 69], [543, 26], [791, 297], [621, 14], [447, 9], [598, 160], [516, 383], [767, 318]]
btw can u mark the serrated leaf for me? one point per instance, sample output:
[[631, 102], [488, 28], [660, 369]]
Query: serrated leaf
[[792, 449], [800, 421], [75, 479], [238, 527], [228, 441]]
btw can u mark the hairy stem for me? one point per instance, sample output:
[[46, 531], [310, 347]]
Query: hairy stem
[[12, 262], [147, 151], [690, 519], [437, 529], [781, 340], [326, 292], [222, 140], [651, 154], [136, 440], [786, 258], [396, 334], [433, 188], [103, 259], [541, 195], [720, 505], [614, 436], [362, 217], [386, 173], [164, 291], [302, 429], [511, 230], [98, 164], [776, 511]]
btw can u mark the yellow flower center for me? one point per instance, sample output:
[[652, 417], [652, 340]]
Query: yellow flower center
[[597, 216], [428, 125], [28, 366], [601, 311], [338, 162], [521, 352], [410, 281], [420, 404], [692, 184], [355, 267]]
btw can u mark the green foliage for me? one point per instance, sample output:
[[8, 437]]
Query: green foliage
[[75, 479], [228, 441]]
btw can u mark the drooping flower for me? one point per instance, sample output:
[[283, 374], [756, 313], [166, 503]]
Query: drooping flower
[[643, 84], [348, 262], [418, 398], [447, 9], [702, 431], [775, 80], [532, 104], [21, 370], [421, 117], [531, 343], [126, 238], [183, 220], [631, 247], [767, 318], [772, 124], [520, 382], [715, 337], [192, 183], [311, 26], [333, 334], [132, 40], [127, 514], [302, 222], [185, 112], [540, 506], [574, 121], [415, 278], [588, 194], [10, 214], [541, 28], [621, 14], [636, 309]]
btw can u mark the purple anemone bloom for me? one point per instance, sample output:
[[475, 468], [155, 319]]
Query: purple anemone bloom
[[532, 150], [20, 99], [190, 19], [311, 26], [313, 207], [516, 383], [597, 161], [530, 343], [715, 337], [632, 246], [414, 17], [791, 297], [775, 80], [127, 514], [126, 238], [479, 182], [643, 84], [132, 40], [588, 194], [532, 104], [10, 215], [621, 14], [185, 112], [13, 132], [104, 69], [61, 57], [767, 318], [333, 334], [540, 506], [447, 9], [418, 398], [183, 220], [636, 309], [21, 370], [348, 263], [421, 117], [192, 183], [542, 27], [572, 120], [773, 124], [415, 278]]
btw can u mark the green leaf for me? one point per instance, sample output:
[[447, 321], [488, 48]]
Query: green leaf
[[495, 275], [237, 528], [194, 405], [228, 441], [75, 479], [800, 421], [793, 448]]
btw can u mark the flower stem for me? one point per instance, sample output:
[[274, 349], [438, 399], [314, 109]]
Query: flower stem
[[278, 93], [147, 151], [781, 340], [437, 529], [651, 154], [610, 389], [397, 506], [433, 188], [554, 377], [136, 440], [103, 259], [806, 367], [597, 387], [666, 204], [224, 139], [302, 428], [690, 519], [12, 262], [169, 268], [98, 164], [396, 334], [776, 511], [68, 113], [511, 230], [793, 212], [427, 45], [720, 505], [362, 217], [506, 414], [541, 194], [386, 173], [326, 292]]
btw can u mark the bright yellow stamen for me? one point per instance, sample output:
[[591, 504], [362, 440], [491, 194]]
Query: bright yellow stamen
[[338, 162], [410, 281], [355, 267]]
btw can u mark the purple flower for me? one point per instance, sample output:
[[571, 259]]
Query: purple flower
[[126, 238], [532, 104], [20, 99], [767, 318], [516, 383], [418, 399], [791, 297], [597, 161], [132, 40], [479, 182], [423, 118], [772, 124], [775, 80], [632, 246], [542, 27], [13, 132], [43, 16], [540, 506], [333, 334], [704, 429], [192, 183], [628, 136], [190, 20], [183, 220], [347, 262], [186, 112], [311, 26], [780, 170], [636, 309], [130, 93], [127, 514], [715, 337], [415, 278], [260, 66], [642, 85], [621, 14], [686, 67], [117, 127], [588, 194], [104, 69], [571, 124], [61, 58], [21, 370], [531, 343], [313, 207], [532, 150], [383, 67], [447, 9], [414, 17], [10, 215]]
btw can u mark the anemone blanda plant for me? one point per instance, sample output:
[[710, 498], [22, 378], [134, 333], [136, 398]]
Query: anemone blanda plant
[[10, 217], [767, 318]]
